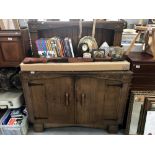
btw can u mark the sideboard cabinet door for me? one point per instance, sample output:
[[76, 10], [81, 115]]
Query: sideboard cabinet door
[[90, 93], [38, 99], [11, 50], [99, 100], [60, 98], [112, 100]]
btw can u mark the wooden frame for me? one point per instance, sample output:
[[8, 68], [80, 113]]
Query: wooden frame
[[150, 42], [133, 94], [149, 101]]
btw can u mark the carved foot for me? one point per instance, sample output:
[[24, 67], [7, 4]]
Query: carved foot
[[38, 127], [113, 129]]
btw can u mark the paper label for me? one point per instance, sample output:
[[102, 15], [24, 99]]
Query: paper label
[[9, 38], [32, 72], [137, 66]]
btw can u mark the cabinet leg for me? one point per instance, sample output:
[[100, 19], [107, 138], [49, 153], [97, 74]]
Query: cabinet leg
[[113, 129], [38, 127]]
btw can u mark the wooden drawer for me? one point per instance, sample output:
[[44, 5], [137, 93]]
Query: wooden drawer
[[141, 63], [143, 82], [143, 79], [143, 68], [9, 39]]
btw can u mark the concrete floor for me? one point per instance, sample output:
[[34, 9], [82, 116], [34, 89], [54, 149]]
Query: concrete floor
[[71, 131]]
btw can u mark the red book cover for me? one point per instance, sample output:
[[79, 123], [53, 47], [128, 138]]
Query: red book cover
[[12, 121]]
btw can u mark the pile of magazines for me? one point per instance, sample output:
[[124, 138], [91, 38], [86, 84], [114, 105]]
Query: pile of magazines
[[55, 47]]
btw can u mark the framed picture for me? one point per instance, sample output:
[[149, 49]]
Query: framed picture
[[147, 124], [136, 103]]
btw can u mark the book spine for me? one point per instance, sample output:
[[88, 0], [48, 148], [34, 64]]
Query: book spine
[[37, 45], [54, 53], [62, 47], [71, 47], [68, 54]]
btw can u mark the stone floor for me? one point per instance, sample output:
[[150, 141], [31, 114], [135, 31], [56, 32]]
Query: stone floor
[[71, 131]]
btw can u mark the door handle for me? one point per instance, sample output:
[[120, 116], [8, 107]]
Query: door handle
[[116, 84], [67, 99], [34, 84], [82, 98]]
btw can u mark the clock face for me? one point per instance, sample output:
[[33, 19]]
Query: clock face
[[153, 21], [84, 47]]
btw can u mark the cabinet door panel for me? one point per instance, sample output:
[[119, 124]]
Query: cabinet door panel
[[1, 56], [11, 51], [39, 100], [90, 100], [60, 100], [112, 99]]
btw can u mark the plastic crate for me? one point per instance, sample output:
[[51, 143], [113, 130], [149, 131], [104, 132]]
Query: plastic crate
[[0, 132], [15, 129]]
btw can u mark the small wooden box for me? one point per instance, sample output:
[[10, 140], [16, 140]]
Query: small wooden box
[[143, 68]]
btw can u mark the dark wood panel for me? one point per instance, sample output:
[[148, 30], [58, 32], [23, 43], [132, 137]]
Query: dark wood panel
[[112, 101], [36, 25], [143, 67], [90, 100], [79, 98], [11, 51], [38, 99], [60, 98], [14, 46], [140, 57], [1, 57], [141, 79]]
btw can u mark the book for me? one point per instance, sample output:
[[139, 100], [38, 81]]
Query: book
[[68, 52], [62, 48], [71, 47], [17, 113], [55, 47], [6, 117], [12, 121]]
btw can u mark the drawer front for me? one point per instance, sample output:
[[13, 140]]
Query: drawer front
[[143, 68], [143, 80], [9, 39], [11, 51]]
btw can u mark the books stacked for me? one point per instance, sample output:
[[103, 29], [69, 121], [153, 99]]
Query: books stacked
[[14, 122], [13, 117], [55, 47]]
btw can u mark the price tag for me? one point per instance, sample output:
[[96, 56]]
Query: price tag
[[9, 38], [137, 66], [32, 72]]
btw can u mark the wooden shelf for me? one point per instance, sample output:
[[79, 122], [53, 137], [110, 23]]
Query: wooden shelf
[[87, 66]]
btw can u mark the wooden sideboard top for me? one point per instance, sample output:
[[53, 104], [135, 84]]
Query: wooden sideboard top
[[140, 57], [86, 66]]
